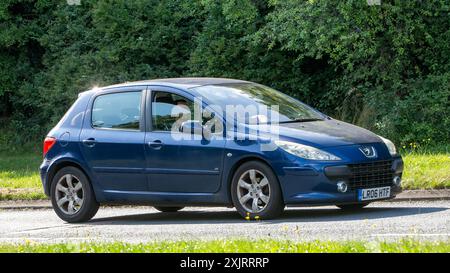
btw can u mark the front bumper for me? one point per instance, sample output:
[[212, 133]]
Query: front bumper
[[317, 185]]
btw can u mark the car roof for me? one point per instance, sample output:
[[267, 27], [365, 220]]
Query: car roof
[[183, 83]]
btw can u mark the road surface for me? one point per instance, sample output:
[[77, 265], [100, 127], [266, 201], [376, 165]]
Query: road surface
[[379, 221]]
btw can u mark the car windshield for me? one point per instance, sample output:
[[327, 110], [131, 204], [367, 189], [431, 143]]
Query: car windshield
[[279, 107]]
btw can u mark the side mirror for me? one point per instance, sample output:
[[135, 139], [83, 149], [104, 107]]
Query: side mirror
[[208, 115], [206, 132]]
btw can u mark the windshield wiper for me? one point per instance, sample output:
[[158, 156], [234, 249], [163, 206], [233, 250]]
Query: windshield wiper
[[301, 120]]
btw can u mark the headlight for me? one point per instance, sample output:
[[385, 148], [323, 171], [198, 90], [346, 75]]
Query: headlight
[[305, 151], [390, 146]]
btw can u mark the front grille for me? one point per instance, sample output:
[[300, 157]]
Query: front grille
[[371, 175]]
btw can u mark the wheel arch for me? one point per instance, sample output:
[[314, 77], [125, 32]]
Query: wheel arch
[[244, 160], [57, 166]]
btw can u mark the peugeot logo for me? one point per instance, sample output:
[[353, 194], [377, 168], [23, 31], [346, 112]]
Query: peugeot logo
[[368, 151]]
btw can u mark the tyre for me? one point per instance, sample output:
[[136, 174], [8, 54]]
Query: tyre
[[255, 191], [72, 196], [168, 209], [350, 207]]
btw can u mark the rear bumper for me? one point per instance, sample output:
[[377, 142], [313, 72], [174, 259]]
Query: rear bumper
[[317, 185], [43, 171]]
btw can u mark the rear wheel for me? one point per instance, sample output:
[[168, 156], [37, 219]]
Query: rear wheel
[[255, 191], [352, 206], [72, 196], [169, 209]]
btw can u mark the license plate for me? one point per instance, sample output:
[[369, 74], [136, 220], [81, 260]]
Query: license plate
[[374, 193]]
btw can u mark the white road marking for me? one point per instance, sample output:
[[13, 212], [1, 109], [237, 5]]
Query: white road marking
[[411, 234]]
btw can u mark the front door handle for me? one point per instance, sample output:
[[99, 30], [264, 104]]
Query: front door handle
[[90, 142], [156, 144]]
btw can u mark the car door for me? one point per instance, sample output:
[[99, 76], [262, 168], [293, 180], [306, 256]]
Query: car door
[[176, 162], [112, 139]]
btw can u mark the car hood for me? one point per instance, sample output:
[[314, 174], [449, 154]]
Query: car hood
[[326, 133]]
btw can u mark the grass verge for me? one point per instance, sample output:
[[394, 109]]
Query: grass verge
[[19, 177], [234, 246], [426, 171]]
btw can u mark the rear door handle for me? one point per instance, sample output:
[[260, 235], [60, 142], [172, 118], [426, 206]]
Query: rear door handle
[[156, 144], [90, 142]]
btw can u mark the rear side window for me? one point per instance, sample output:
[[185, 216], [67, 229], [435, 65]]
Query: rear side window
[[117, 111]]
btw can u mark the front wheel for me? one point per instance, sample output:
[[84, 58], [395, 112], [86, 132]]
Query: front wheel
[[351, 207], [255, 191], [72, 196]]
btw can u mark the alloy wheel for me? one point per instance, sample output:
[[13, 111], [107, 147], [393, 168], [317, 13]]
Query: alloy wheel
[[253, 191], [69, 194]]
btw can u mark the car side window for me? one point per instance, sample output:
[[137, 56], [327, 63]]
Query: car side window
[[169, 110], [117, 111]]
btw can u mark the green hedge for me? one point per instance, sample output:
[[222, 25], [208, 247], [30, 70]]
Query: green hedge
[[385, 67]]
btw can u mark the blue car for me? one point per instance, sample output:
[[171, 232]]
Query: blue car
[[172, 143]]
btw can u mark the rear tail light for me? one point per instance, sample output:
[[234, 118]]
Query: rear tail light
[[48, 144]]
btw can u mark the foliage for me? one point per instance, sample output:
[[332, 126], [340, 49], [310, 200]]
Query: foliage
[[385, 67], [386, 57], [423, 114]]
